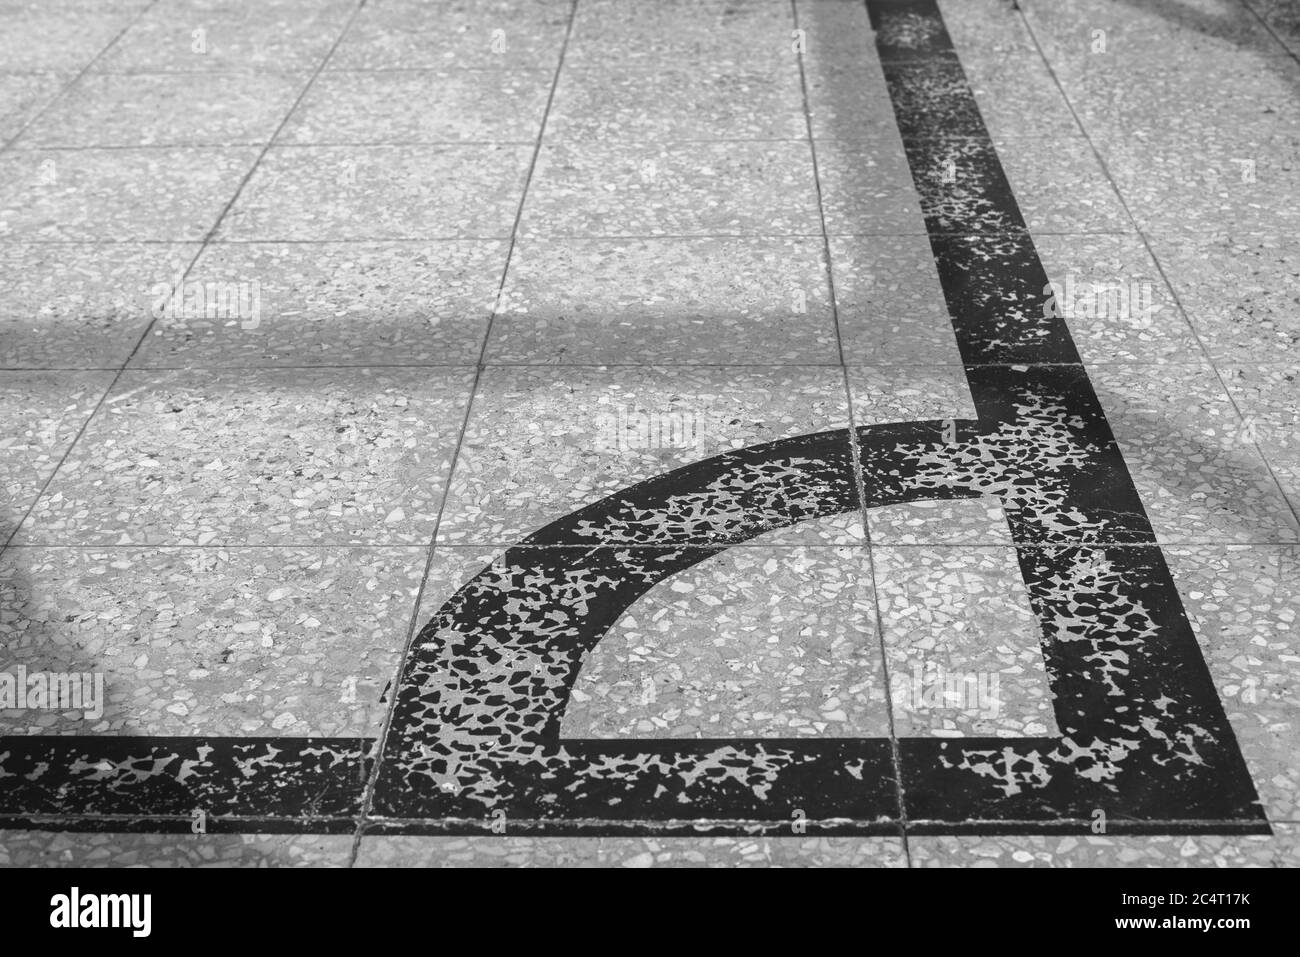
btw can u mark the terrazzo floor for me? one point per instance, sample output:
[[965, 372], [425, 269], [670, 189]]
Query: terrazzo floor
[[699, 432]]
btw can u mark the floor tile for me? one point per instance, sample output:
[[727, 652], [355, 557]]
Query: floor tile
[[259, 458], [1196, 466], [166, 195], [509, 851], [685, 33], [1209, 184], [866, 189], [756, 642], [962, 643], [835, 36], [1142, 101], [892, 394], [732, 189], [540, 444], [1266, 395], [481, 34], [300, 642], [1099, 28], [1280, 850], [682, 301], [23, 96], [50, 849], [43, 412], [1018, 96], [1238, 290], [1114, 300], [890, 305], [380, 192], [42, 38], [850, 103], [960, 521], [214, 35], [676, 104], [1063, 191], [330, 304], [1243, 602], [224, 109], [986, 27], [81, 306], [420, 106]]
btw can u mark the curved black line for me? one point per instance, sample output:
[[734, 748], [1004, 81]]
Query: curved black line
[[634, 544]]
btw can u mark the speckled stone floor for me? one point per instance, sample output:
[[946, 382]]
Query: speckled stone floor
[[690, 432]]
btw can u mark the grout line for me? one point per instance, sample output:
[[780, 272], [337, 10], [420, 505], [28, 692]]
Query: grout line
[[855, 453], [368, 792], [1286, 48], [821, 211], [13, 532]]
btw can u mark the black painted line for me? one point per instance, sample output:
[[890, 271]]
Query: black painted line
[[187, 825], [120, 776], [1114, 626]]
